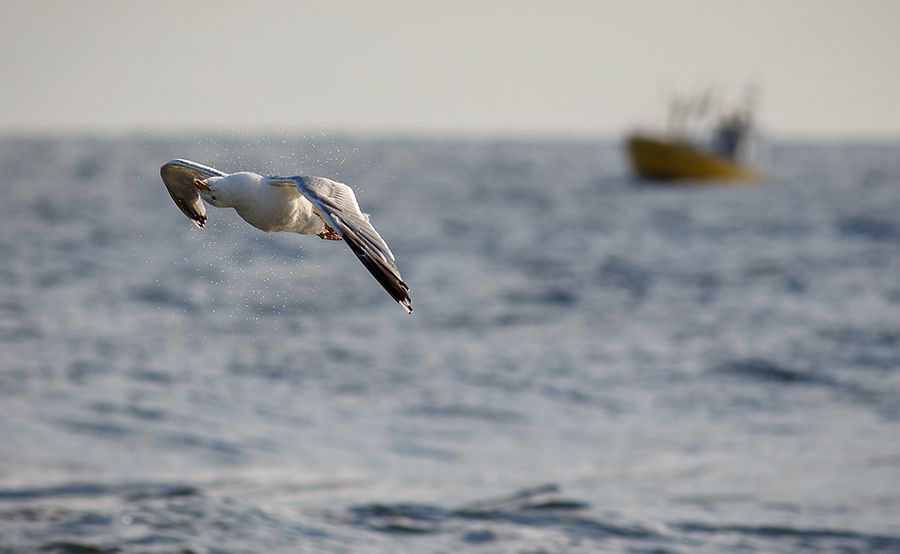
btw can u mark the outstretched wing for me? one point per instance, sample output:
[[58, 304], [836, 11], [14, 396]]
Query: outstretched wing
[[179, 175], [337, 205]]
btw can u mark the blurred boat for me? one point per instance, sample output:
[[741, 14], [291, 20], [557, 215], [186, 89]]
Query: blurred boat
[[685, 153], [668, 159]]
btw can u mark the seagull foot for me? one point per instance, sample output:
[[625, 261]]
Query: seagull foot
[[328, 234], [200, 184]]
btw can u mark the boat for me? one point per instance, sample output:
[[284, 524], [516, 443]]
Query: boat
[[665, 159], [685, 154]]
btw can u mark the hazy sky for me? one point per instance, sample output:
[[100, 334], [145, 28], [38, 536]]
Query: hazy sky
[[826, 68]]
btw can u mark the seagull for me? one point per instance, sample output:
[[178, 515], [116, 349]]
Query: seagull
[[300, 204]]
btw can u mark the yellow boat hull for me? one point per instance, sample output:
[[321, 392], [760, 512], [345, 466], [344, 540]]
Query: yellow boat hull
[[662, 159]]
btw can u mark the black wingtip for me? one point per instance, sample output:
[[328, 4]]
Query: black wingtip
[[386, 275], [382, 268], [195, 216]]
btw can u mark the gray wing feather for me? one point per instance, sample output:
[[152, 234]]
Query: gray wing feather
[[178, 176], [337, 205]]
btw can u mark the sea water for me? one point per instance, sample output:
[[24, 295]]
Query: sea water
[[595, 364]]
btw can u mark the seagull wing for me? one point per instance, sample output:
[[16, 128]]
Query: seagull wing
[[336, 205], [179, 175]]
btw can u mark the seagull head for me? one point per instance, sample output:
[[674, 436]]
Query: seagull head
[[227, 191], [218, 191], [211, 192]]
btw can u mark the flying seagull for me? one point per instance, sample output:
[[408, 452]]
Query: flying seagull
[[305, 205]]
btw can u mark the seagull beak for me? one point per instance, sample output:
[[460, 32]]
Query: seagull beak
[[201, 184]]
